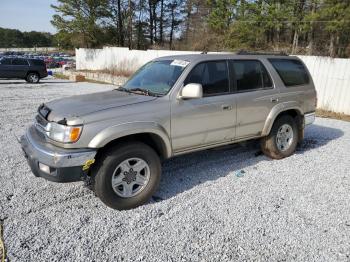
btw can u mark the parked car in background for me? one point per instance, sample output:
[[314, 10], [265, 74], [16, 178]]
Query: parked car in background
[[68, 66], [52, 60], [171, 106], [53, 64], [31, 70]]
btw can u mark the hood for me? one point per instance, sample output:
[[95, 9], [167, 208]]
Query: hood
[[77, 106]]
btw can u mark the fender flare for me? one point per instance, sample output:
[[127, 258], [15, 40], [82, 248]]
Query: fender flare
[[276, 110], [125, 129]]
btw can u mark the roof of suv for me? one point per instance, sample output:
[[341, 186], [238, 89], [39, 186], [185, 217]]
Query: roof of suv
[[214, 56]]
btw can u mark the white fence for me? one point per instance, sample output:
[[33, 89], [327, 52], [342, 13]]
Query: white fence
[[332, 81], [331, 76], [118, 58]]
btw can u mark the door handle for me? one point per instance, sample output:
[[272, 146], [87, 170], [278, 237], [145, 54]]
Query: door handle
[[274, 100], [226, 107]]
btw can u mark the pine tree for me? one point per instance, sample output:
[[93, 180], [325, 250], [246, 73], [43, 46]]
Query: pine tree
[[81, 18]]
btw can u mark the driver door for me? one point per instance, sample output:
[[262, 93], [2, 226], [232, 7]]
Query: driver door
[[207, 120], [5, 68]]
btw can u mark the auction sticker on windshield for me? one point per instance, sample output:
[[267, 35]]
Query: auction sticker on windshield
[[181, 63]]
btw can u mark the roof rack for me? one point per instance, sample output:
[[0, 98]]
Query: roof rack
[[244, 52]]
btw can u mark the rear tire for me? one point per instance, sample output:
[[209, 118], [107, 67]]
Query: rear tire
[[33, 78], [283, 138], [126, 176]]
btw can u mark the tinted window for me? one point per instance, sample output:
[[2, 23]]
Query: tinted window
[[250, 75], [17, 61], [213, 76], [6, 61], [292, 72], [38, 62]]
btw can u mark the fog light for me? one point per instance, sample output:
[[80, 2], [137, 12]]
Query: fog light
[[44, 168]]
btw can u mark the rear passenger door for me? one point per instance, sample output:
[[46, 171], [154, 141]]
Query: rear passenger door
[[255, 95], [20, 67]]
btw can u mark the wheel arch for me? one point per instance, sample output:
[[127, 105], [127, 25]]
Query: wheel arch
[[32, 71], [151, 134], [284, 109]]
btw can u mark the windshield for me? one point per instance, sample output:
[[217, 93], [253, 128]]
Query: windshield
[[156, 77]]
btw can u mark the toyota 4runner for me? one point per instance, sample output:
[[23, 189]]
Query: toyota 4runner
[[171, 106]]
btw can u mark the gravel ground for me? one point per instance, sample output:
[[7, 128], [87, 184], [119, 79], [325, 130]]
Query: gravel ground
[[292, 209]]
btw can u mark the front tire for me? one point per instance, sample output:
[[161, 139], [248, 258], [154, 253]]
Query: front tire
[[283, 138], [126, 176], [33, 78]]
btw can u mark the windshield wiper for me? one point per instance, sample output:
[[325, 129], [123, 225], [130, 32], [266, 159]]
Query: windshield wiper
[[122, 89], [146, 92]]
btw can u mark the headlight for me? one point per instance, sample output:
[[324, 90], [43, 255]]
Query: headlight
[[64, 134]]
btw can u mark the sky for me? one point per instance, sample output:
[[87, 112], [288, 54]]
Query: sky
[[27, 15]]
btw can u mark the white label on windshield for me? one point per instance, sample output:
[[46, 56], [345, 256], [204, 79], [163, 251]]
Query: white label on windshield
[[181, 63]]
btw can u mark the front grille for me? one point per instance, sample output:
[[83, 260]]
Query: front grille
[[44, 111], [41, 125], [41, 121]]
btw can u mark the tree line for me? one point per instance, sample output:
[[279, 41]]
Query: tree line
[[137, 24], [15, 38], [314, 27]]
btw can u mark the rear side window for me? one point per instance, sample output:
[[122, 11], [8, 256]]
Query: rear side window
[[38, 62], [17, 61], [212, 75], [250, 75], [292, 72]]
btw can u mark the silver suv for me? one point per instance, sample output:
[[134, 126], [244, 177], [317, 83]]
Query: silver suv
[[171, 106]]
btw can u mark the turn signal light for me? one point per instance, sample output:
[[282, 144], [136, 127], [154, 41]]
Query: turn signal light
[[74, 134]]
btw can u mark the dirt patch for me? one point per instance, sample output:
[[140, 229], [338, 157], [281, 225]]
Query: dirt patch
[[113, 72], [61, 76], [330, 114], [96, 81]]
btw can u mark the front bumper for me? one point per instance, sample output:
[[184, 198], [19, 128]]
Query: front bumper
[[61, 165]]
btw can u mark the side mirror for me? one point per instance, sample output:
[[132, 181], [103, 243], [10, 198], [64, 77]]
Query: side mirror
[[191, 91]]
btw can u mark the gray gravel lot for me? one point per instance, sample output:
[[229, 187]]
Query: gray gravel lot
[[292, 209]]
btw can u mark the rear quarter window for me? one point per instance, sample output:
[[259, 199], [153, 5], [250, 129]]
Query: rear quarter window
[[38, 62], [292, 72]]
